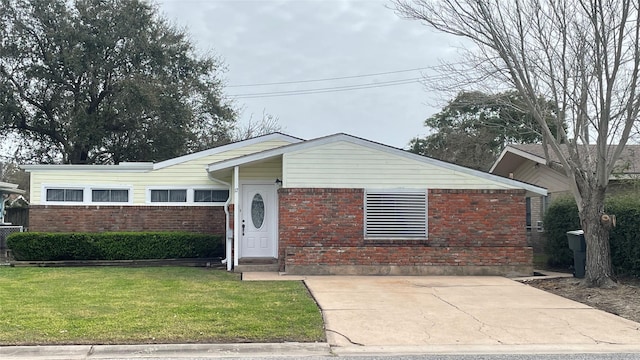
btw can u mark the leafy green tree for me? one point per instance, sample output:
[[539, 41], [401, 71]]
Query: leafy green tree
[[474, 127], [84, 81]]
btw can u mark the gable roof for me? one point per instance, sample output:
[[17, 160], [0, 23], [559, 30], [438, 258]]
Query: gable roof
[[16, 200], [148, 166], [303, 145], [515, 154], [227, 147]]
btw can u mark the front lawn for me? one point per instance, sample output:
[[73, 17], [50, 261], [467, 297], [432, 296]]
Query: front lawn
[[151, 305]]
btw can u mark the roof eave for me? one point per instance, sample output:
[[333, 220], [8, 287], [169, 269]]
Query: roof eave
[[106, 168], [12, 191], [523, 154], [260, 156]]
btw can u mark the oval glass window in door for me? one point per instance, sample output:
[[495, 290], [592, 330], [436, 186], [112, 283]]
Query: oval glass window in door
[[257, 211]]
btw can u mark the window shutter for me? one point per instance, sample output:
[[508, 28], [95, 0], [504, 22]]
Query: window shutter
[[396, 214]]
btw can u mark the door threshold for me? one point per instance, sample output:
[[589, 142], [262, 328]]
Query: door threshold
[[257, 261]]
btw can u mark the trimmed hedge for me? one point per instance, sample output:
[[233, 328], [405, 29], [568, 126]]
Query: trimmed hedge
[[34, 246], [625, 237], [562, 216]]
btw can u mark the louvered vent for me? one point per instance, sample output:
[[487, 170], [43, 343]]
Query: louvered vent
[[396, 215]]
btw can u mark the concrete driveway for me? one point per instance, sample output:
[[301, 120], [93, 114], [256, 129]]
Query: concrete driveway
[[390, 313]]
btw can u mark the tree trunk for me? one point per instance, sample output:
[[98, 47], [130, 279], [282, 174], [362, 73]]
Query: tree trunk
[[599, 271]]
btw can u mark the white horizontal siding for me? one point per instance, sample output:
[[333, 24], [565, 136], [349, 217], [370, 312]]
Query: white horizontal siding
[[347, 165], [189, 173], [541, 175], [266, 170]]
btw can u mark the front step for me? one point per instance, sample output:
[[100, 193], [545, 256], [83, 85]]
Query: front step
[[257, 265], [256, 268]]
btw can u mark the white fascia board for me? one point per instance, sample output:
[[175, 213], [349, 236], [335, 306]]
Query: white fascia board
[[227, 147], [7, 190], [245, 159], [502, 154], [7, 185], [138, 167], [242, 160], [522, 154]]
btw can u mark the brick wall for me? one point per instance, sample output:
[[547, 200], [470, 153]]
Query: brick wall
[[470, 218], [57, 218], [467, 228]]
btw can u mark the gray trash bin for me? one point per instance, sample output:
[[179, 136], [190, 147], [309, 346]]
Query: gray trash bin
[[579, 247]]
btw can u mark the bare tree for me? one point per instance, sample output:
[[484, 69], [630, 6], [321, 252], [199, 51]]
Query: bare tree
[[584, 55], [268, 124]]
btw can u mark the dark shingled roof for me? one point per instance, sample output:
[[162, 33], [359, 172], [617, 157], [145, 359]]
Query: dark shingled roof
[[629, 160]]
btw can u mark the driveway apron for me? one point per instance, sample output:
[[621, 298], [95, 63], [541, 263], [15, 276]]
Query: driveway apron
[[475, 311]]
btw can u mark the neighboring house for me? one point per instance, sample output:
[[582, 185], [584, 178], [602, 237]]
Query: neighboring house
[[332, 205], [7, 193], [527, 163], [16, 201], [16, 209]]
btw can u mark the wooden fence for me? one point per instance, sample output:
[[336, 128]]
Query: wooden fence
[[17, 216]]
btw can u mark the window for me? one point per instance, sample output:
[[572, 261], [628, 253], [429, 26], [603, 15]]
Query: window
[[198, 195], [86, 194], [210, 195], [110, 195], [396, 215], [177, 195], [65, 195], [528, 211]]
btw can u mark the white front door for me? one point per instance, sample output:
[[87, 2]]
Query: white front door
[[258, 221]]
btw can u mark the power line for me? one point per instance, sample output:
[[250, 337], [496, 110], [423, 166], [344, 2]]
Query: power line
[[330, 79], [309, 92], [326, 89], [337, 88]]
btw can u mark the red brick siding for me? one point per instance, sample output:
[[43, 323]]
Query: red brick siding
[[320, 218], [466, 227], [468, 218], [409, 255], [59, 218]]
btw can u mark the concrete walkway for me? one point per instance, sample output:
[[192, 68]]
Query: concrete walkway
[[470, 314]]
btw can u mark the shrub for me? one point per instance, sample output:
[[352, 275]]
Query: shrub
[[562, 216], [624, 238], [32, 246]]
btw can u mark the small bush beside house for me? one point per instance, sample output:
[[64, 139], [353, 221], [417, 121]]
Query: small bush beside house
[[562, 216], [34, 246], [625, 237]]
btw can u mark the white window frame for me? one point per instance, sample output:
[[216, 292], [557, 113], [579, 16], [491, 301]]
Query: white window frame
[[190, 195], [193, 192], [45, 194], [128, 189], [420, 215], [86, 194]]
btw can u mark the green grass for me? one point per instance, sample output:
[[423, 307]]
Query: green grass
[[150, 305]]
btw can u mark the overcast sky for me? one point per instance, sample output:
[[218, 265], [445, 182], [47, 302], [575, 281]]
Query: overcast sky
[[268, 41]]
